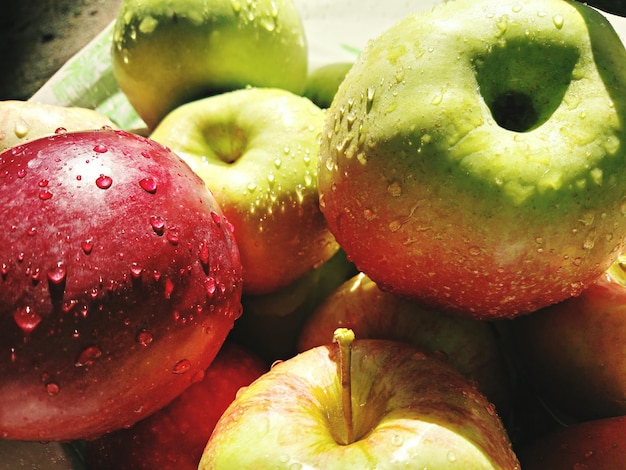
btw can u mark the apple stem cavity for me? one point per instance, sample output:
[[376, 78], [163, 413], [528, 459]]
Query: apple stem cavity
[[344, 337]]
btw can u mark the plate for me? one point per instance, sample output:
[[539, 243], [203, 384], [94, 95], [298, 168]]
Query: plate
[[335, 30]]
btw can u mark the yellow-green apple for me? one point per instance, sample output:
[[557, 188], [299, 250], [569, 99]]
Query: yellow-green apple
[[590, 445], [174, 437], [166, 53], [271, 323], [120, 280], [360, 404], [21, 121], [574, 352], [471, 157], [16, 455], [257, 151], [469, 345], [323, 82]]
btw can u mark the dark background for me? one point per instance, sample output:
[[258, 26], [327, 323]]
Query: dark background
[[38, 36]]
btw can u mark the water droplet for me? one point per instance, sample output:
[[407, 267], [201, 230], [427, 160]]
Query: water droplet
[[158, 224], [87, 245], [474, 251], [57, 274], [144, 338], [218, 220], [148, 184], [169, 288], [135, 270], [104, 182], [60, 130], [88, 356], [21, 173], [451, 456], [44, 195], [210, 286], [100, 148], [43, 183], [27, 319], [21, 128], [181, 366], [397, 440], [203, 253], [173, 235], [52, 388], [31, 231], [558, 21]]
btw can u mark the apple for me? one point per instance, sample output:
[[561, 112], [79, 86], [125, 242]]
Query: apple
[[167, 53], [120, 280], [362, 403], [257, 151], [15, 455], [323, 82], [471, 346], [574, 352], [21, 121], [270, 324], [174, 437], [489, 137], [597, 444]]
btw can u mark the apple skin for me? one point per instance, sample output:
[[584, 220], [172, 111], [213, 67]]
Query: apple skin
[[323, 82], [597, 444], [174, 437], [409, 410], [28, 455], [21, 121], [166, 53], [257, 150], [271, 323], [471, 346], [574, 352], [113, 300], [463, 212]]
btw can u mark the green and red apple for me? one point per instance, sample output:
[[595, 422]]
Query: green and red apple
[[257, 151], [166, 53], [574, 352], [174, 437], [21, 121], [113, 299], [471, 157], [471, 346], [360, 404]]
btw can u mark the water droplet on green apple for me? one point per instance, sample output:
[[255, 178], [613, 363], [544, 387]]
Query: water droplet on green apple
[[397, 440], [451, 456], [21, 128], [558, 21], [474, 251]]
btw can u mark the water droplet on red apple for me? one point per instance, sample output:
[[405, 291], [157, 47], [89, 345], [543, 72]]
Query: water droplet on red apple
[[144, 338], [100, 148], [135, 270], [21, 173], [104, 182], [173, 235], [87, 245], [181, 366], [216, 218], [27, 319], [158, 224], [210, 286], [57, 274], [52, 388], [88, 356], [149, 185]]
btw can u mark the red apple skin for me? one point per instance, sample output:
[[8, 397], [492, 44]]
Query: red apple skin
[[470, 345], [120, 282], [574, 352], [174, 437], [591, 445]]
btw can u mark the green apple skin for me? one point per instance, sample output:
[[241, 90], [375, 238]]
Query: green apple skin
[[322, 83], [471, 346], [409, 409], [168, 52], [15, 455], [574, 352], [21, 121], [598, 444], [462, 211], [271, 323], [257, 150]]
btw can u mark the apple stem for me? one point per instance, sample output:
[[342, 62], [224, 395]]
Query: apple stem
[[344, 337]]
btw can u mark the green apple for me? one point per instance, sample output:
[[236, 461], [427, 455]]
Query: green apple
[[271, 323], [574, 352], [471, 157], [469, 345], [257, 150], [15, 455], [21, 121], [362, 404], [323, 82], [167, 52]]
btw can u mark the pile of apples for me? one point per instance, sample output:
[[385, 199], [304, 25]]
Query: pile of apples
[[409, 261]]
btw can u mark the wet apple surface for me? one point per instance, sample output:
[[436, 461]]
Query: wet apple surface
[[120, 281]]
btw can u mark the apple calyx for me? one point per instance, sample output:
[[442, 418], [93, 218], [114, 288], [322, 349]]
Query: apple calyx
[[344, 337]]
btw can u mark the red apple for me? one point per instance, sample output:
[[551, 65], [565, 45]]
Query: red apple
[[120, 279], [574, 352], [469, 345], [174, 437], [591, 445]]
